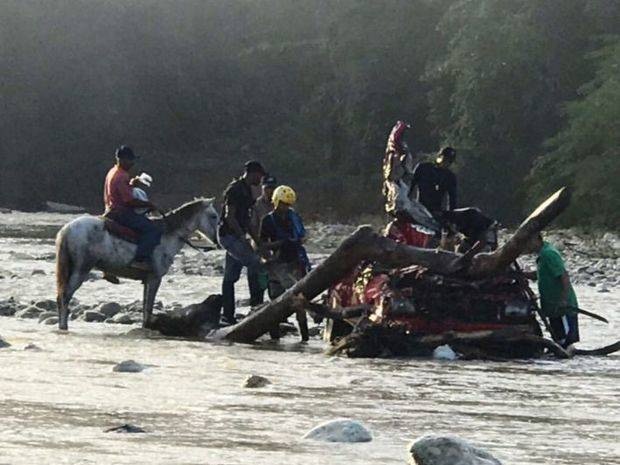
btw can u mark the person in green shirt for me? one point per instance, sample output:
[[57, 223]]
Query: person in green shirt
[[558, 301]]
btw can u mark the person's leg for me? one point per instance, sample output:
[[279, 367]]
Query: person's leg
[[257, 292], [232, 271], [245, 254], [560, 328], [149, 233], [573, 329]]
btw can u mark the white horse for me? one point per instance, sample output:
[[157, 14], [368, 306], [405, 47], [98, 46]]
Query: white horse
[[84, 244]]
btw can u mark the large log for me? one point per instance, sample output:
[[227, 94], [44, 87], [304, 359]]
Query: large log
[[366, 245]]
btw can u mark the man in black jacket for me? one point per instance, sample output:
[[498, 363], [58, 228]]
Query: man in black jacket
[[435, 182]]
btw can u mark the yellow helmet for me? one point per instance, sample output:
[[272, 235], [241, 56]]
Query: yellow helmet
[[283, 194]]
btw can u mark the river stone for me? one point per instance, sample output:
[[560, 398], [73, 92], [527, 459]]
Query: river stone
[[128, 366], [32, 347], [3, 343], [121, 318], [126, 428], [256, 381], [340, 430], [52, 320], [93, 316], [444, 352], [7, 308], [37, 272], [29, 312], [447, 450], [47, 304], [45, 315], [110, 309]]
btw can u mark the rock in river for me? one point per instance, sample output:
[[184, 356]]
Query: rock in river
[[93, 316], [3, 343], [110, 309], [30, 312], [341, 430], [45, 315], [128, 366], [256, 381], [121, 318], [447, 450], [126, 428]]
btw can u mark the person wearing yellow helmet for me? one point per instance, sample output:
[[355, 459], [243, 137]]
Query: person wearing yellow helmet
[[282, 235]]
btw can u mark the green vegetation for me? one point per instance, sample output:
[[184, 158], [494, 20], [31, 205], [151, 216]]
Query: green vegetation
[[312, 88]]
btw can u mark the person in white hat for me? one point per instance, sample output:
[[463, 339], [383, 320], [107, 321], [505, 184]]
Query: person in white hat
[[139, 184]]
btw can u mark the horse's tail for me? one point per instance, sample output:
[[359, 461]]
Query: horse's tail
[[63, 264]]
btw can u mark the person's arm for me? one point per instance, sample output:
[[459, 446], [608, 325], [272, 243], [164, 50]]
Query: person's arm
[[565, 280], [266, 243], [126, 194]]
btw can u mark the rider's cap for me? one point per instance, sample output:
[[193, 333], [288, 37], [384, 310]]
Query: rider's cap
[[125, 153], [269, 181], [253, 166]]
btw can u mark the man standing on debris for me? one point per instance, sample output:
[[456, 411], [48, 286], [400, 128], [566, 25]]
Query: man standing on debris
[[233, 234], [282, 235], [435, 181], [558, 301]]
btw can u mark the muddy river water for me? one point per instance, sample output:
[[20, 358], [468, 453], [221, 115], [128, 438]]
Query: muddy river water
[[56, 402]]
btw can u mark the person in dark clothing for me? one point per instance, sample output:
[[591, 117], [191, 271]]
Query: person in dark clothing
[[282, 235], [435, 181], [233, 233]]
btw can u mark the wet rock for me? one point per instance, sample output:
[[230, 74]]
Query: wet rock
[[126, 428], [91, 316], [45, 315], [447, 450], [29, 312], [341, 430], [47, 304], [128, 366], [5, 210], [121, 318], [256, 381], [444, 352], [110, 309], [8, 308], [52, 320], [4, 343], [37, 272], [33, 347], [603, 290]]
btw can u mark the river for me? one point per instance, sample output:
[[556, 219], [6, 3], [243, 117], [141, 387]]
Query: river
[[56, 402]]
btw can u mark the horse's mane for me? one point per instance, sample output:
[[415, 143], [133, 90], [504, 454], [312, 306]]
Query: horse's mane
[[176, 218]]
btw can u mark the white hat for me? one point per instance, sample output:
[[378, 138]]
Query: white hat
[[145, 179]]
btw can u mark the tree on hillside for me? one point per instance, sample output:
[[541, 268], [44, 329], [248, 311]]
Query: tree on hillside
[[586, 153]]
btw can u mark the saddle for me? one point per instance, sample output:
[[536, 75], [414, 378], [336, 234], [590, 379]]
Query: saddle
[[120, 231]]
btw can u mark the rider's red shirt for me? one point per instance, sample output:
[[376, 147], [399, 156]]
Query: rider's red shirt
[[117, 191]]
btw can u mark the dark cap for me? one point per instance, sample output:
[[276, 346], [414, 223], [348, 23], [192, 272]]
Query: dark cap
[[269, 181], [448, 153], [124, 152], [253, 166]]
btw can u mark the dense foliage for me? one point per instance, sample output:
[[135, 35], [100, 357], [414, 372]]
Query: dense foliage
[[311, 88]]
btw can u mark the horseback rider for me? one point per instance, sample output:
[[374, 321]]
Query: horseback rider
[[233, 232], [120, 206]]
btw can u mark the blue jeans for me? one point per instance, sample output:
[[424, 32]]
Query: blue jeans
[[150, 234], [239, 253]]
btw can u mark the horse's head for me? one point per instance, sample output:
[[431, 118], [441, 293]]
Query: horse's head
[[208, 220]]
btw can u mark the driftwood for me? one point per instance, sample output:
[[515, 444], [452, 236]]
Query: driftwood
[[366, 245]]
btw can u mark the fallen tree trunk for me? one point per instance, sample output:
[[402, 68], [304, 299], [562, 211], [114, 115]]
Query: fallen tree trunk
[[365, 245]]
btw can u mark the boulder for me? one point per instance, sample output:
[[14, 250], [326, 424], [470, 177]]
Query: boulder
[[121, 318], [126, 428], [8, 308], [29, 312], [444, 352], [340, 430], [32, 347], [110, 309], [93, 316], [47, 304], [4, 343], [256, 381], [128, 366], [37, 272], [447, 450], [52, 320], [45, 315]]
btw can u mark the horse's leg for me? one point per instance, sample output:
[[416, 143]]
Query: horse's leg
[[302, 323], [73, 284], [151, 286]]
